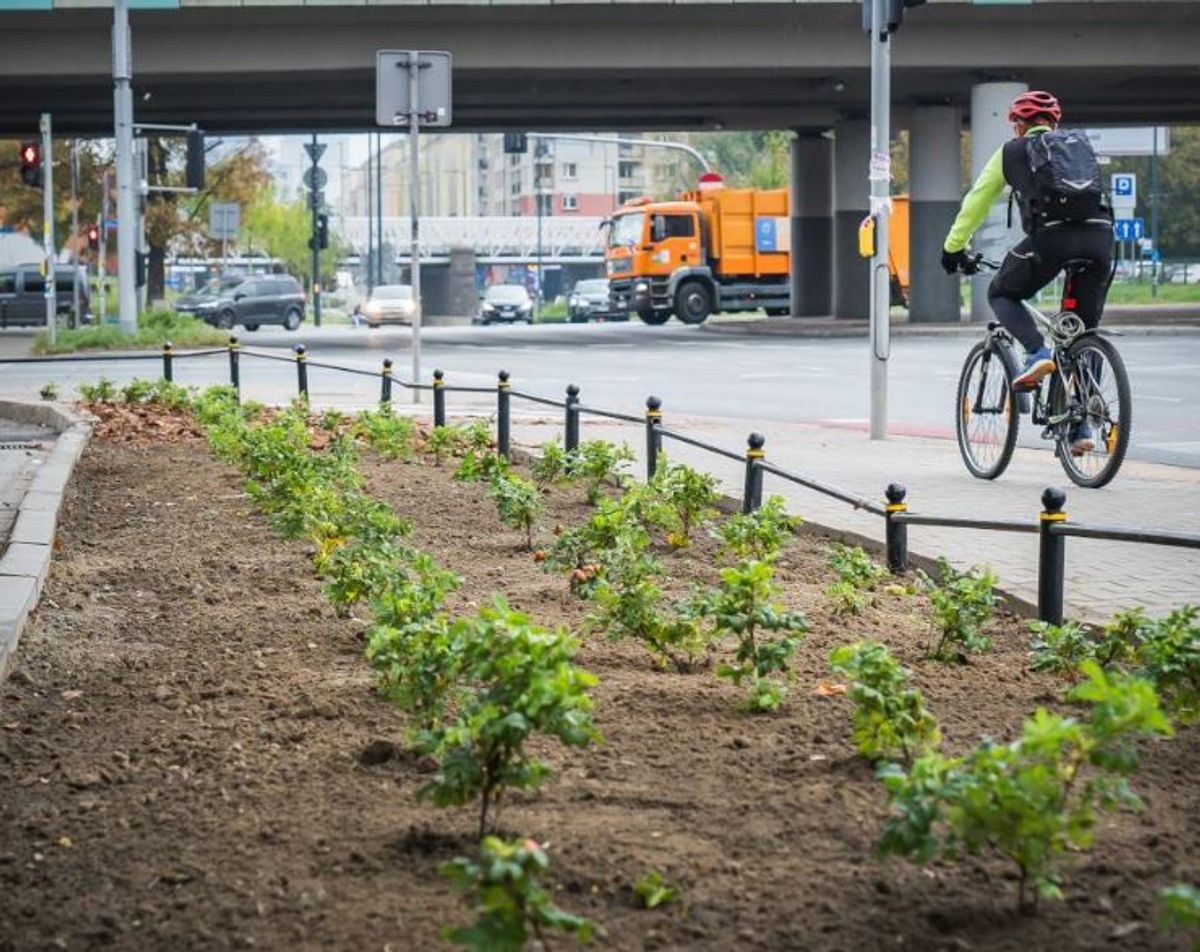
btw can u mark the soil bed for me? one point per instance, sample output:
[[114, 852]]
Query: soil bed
[[192, 756]]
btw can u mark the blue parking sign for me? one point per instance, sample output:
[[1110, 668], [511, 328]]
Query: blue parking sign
[[1128, 229], [1124, 184]]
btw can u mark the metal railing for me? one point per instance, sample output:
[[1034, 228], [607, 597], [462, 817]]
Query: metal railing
[[1052, 526]]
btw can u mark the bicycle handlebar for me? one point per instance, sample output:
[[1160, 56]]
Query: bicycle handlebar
[[974, 263]]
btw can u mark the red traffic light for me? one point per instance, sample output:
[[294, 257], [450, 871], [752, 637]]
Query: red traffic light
[[30, 154], [93, 236]]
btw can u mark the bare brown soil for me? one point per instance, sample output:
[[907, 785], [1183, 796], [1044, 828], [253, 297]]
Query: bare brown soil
[[192, 757]]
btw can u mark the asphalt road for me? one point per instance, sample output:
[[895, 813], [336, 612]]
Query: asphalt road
[[753, 378]]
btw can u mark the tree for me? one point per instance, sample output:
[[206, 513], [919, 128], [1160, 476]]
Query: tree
[[282, 230], [748, 159], [1178, 186], [21, 205]]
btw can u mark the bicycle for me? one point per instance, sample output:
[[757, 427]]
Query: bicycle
[[1089, 386]]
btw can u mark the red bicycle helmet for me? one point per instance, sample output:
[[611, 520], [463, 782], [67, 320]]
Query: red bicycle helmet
[[1033, 104]]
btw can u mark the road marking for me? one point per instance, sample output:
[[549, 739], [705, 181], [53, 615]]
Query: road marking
[[1150, 396]]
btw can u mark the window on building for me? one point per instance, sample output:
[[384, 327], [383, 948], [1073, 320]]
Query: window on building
[[570, 203], [515, 188], [570, 170], [625, 195], [627, 169]]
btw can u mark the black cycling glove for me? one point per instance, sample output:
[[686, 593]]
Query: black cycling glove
[[952, 261]]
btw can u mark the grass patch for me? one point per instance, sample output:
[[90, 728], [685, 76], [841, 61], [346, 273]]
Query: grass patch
[[153, 330], [1135, 292]]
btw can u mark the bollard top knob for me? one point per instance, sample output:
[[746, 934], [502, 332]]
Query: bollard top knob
[[653, 403], [755, 441], [438, 375], [895, 493], [299, 350], [503, 375], [167, 345], [572, 390], [387, 363], [1053, 499], [233, 341]]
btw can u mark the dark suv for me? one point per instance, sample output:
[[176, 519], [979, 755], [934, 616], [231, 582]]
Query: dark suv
[[23, 295], [256, 300]]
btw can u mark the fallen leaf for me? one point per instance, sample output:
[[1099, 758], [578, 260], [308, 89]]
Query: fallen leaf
[[65, 842], [829, 689], [71, 695]]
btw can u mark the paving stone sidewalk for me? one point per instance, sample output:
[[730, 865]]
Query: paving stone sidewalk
[[1101, 576]]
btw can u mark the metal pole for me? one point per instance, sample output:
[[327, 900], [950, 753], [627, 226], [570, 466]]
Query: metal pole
[[235, 376], [571, 420], [439, 398], [385, 384], [753, 486], [653, 436], [168, 354], [377, 224], [102, 264], [126, 204], [50, 291], [301, 355], [880, 176], [504, 415], [316, 251], [1154, 216], [142, 153], [537, 198], [1051, 557], [75, 231], [414, 210], [896, 532], [370, 262]]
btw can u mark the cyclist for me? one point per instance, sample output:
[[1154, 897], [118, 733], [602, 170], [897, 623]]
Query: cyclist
[[1074, 227]]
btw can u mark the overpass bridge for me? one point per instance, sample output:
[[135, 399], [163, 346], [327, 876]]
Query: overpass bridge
[[495, 240]]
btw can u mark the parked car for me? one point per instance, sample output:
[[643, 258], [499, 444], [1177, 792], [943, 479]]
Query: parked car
[[188, 303], [589, 300], [505, 303], [23, 295], [254, 301], [389, 304]]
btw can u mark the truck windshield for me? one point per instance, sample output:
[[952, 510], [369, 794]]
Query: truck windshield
[[626, 230]]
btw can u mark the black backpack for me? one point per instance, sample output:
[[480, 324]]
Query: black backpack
[[1065, 176]]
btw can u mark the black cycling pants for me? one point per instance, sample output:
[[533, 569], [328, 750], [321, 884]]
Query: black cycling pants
[[1033, 264]]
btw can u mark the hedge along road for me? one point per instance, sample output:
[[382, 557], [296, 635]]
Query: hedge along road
[[758, 380]]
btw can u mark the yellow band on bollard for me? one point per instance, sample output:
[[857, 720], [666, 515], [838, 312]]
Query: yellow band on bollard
[[504, 385], [755, 454], [654, 414], [439, 383], [897, 507], [1053, 516]]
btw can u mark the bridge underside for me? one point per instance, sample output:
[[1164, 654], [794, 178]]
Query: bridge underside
[[622, 66]]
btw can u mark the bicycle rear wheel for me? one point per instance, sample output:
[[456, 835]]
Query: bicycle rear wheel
[[1095, 394], [986, 417]]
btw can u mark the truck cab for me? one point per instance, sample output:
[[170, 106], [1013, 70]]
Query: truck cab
[[652, 246]]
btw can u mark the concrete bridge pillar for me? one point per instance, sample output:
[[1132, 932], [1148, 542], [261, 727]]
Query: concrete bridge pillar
[[812, 224], [990, 129], [851, 201], [935, 189]]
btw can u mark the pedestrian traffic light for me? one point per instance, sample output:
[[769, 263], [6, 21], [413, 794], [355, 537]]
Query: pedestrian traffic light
[[195, 159], [515, 143], [93, 237], [31, 163], [321, 231]]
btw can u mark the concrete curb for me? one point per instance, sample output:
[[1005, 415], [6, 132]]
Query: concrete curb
[[802, 329], [26, 560]]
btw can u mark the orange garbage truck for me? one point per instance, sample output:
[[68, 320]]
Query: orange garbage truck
[[713, 250]]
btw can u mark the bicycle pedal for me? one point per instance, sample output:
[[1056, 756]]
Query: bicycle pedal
[[1049, 434]]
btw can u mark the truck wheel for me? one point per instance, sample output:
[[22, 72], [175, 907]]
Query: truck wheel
[[778, 311], [654, 318], [693, 302]]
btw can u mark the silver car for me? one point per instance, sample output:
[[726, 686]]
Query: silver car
[[389, 304]]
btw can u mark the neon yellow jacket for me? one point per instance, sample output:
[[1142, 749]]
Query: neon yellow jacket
[[979, 201]]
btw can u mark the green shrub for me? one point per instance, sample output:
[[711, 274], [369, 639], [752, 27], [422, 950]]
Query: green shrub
[[518, 502], [550, 468], [518, 680], [757, 535], [481, 465], [688, 495], [102, 391], [49, 391], [743, 605], [1179, 908], [962, 604], [598, 462], [390, 435], [1032, 800], [653, 890], [443, 442], [1169, 656], [890, 719], [510, 906]]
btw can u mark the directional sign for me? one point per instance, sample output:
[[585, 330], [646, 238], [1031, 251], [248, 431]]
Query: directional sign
[[315, 150], [1128, 229], [224, 220], [315, 178]]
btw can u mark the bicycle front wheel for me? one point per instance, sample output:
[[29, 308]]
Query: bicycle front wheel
[[1093, 391], [985, 411]]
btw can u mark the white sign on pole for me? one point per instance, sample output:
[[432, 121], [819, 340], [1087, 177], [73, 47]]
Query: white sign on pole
[[1130, 140], [224, 220], [1123, 190]]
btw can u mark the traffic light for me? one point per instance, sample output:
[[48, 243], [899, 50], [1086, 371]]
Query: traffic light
[[515, 143], [31, 163], [139, 269], [893, 11], [321, 231], [93, 237], [195, 159]]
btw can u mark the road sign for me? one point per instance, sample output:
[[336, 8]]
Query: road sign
[[1128, 229], [1131, 140], [392, 85], [315, 150], [315, 178], [224, 220], [1124, 185]]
